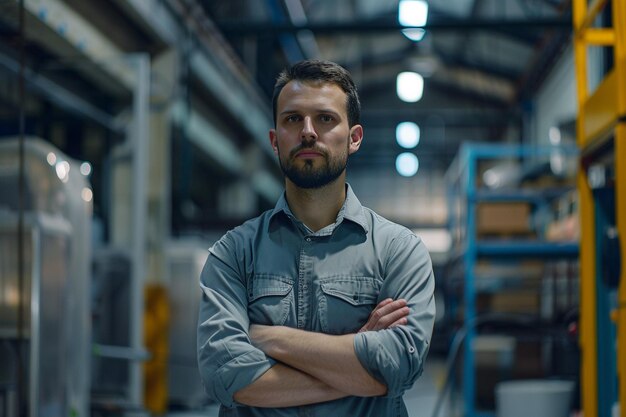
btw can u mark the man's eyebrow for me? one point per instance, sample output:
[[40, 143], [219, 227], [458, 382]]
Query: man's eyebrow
[[289, 111], [328, 111]]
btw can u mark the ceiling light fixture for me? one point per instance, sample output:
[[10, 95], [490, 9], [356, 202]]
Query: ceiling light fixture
[[407, 134], [413, 13], [407, 164], [409, 86]]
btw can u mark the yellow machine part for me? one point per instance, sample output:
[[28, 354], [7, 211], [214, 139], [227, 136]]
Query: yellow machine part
[[156, 341]]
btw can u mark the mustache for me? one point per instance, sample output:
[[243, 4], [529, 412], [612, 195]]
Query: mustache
[[303, 147]]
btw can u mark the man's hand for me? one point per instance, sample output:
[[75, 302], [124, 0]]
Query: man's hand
[[388, 313]]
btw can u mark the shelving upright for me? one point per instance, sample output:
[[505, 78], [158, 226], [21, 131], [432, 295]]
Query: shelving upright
[[464, 194]]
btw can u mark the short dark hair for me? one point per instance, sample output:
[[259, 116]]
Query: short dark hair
[[325, 72]]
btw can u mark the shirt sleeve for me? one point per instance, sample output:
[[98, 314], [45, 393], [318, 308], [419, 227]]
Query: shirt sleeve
[[396, 356], [226, 358]]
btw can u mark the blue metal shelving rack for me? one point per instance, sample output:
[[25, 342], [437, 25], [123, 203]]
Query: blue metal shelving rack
[[463, 196]]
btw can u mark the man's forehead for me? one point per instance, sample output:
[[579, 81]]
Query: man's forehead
[[297, 91], [317, 84]]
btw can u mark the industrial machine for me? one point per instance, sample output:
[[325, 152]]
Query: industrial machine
[[45, 323]]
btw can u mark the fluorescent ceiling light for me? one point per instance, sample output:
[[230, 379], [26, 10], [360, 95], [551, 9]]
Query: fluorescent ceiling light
[[415, 35], [409, 86], [407, 164], [413, 13], [407, 135]]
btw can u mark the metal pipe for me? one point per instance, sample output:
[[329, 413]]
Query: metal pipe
[[20, 222], [139, 138], [35, 316]]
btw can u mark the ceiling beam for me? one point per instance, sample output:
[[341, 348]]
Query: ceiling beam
[[235, 29], [440, 15], [556, 4], [374, 87], [541, 65], [380, 117], [461, 48], [493, 69], [449, 59], [457, 83], [288, 40]]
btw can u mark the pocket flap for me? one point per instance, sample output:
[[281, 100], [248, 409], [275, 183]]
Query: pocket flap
[[354, 290], [264, 285]]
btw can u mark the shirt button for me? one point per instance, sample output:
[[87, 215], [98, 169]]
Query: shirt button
[[308, 239], [411, 349]]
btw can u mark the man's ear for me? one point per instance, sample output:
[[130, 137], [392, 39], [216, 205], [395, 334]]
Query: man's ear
[[356, 137], [273, 140]]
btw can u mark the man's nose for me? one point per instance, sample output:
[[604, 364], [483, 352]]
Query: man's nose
[[308, 132]]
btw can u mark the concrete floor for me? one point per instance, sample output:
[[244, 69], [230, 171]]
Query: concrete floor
[[420, 400]]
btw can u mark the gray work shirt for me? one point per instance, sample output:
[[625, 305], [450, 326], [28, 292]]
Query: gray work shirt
[[273, 270]]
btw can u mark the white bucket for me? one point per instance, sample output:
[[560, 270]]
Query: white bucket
[[537, 398]]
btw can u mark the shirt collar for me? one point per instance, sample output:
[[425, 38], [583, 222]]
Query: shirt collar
[[351, 210]]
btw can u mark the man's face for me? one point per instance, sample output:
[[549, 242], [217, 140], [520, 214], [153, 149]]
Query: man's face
[[312, 137]]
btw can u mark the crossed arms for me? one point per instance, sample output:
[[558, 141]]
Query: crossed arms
[[275, 366], [315, 367]]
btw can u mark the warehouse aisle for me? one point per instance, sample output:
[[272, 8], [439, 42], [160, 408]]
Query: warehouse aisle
[[420, 400]]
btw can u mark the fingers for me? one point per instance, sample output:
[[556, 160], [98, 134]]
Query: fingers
[[373, 318], [391, 317], [382, 304], [386, 314], [399, 322]]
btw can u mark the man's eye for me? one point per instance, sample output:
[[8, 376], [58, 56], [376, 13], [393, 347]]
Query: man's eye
[[293, 118], [326, 118]]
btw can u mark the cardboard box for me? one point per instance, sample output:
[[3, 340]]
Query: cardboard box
[[523, 302], [503, 218]]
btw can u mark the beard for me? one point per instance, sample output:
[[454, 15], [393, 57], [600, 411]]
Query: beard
[[309, 176]]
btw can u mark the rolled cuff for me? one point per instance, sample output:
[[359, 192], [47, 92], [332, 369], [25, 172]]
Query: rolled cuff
[[239, 373], [397, 372]]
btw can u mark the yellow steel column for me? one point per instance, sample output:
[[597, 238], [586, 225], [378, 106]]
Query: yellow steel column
[[588, 347], [619, 23]]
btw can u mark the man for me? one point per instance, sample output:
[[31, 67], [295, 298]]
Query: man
[[318, 307]]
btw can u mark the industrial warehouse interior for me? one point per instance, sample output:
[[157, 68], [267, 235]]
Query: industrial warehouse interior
[[134, 135]]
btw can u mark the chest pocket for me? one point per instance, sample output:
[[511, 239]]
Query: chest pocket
[[270, 298], [346, 303]]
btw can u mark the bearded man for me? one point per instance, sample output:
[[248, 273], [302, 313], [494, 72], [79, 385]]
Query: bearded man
[[319, 307]]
